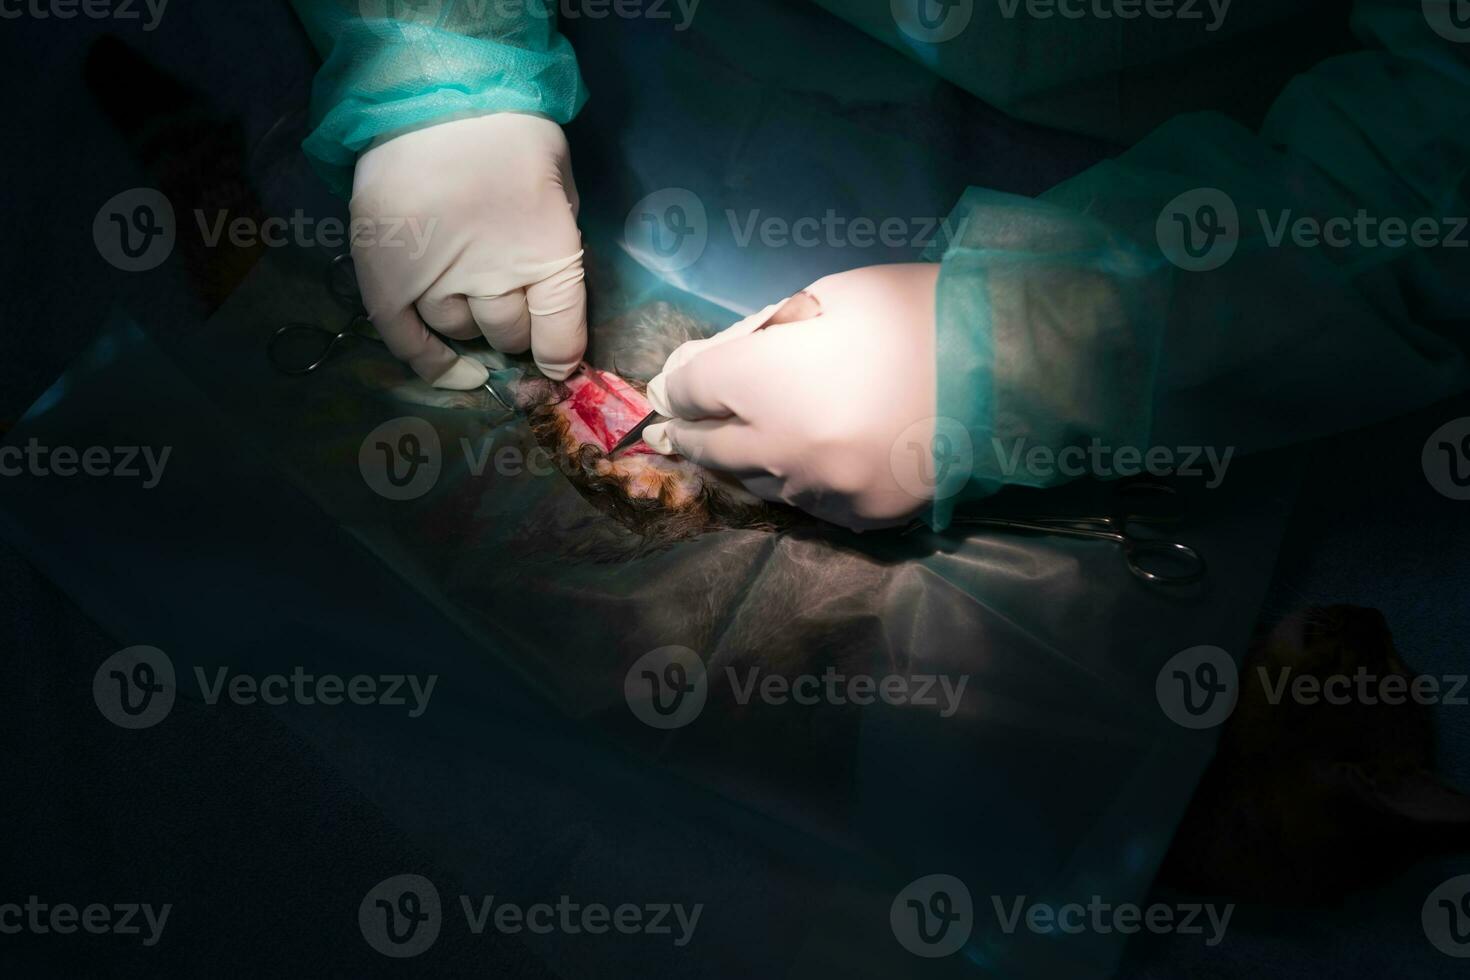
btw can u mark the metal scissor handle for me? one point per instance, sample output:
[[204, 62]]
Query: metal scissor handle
[[359, 327], [341, 281], [1136, 504], [1138, 551]]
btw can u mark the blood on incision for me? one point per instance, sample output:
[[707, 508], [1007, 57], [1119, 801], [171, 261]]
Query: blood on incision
[[606, 416]]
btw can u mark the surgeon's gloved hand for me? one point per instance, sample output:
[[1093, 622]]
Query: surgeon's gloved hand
[[469, 227], [821, 401]]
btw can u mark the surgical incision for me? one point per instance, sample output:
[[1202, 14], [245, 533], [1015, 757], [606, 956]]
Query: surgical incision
[[662, 498]]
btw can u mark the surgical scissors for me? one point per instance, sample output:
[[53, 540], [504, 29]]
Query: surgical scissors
[[321, 342], [1148, 558]]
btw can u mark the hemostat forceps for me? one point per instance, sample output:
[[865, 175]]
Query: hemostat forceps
[[1134, 505], [318, 343]]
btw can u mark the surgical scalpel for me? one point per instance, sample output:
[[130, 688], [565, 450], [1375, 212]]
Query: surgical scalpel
[[636, 433], [802, 306]]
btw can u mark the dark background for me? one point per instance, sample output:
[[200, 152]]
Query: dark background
[[230, 813]]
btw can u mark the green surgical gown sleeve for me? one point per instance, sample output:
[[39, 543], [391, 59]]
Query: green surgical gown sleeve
[[394, 65], [1062, 321]]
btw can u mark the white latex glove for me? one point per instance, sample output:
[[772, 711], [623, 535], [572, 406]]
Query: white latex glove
[[473, 230], [819, 402]]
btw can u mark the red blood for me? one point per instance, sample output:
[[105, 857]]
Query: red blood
[[606, 413]]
